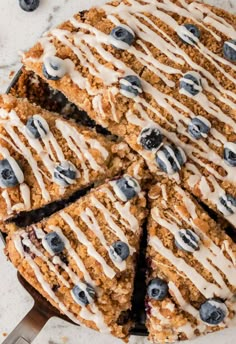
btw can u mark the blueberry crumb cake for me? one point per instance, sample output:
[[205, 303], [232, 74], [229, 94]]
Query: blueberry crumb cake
[[191, 276], [142, 94], [44, 158], [83, 258], [161, 74]]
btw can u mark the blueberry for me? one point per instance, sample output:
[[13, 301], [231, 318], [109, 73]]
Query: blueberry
[[150, 138], [229, 50], [29, 5], [37, 127], [65, 173], [54, 68], [213, 312], [170, 158], [187, 240], [130, 86], [191, 84], [227, 204], [119, 251], [189, 33], [126, 188], [53, 243], [199, 127], [230, 153], [10, 173], [121, 37], [83, 296], [157, 289]]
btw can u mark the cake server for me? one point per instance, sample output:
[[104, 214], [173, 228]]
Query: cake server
[[30, 326]]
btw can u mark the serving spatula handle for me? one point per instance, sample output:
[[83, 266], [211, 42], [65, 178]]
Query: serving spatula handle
[[26, 331]]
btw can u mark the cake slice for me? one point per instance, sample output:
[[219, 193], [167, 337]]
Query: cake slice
[[44, 158], [152, 71], [83, 259], [191, 268]]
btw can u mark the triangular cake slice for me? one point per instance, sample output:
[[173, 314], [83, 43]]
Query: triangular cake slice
[[44, 158], [83, 258], [155, 69], [191, 268]]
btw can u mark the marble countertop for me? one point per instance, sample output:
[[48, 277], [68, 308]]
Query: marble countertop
[[18, 31]]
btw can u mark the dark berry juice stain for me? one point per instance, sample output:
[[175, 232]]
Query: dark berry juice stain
[[25, 219]]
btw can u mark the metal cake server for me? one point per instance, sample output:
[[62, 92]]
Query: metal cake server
[[30, 326]]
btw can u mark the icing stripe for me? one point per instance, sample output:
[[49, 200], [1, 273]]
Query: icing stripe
[[206, 288], [109, 272]]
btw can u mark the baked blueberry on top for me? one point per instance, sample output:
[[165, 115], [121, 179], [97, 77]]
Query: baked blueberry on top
[[187, 240], [54, 68], [170, 158], [10, 173], [227, 204], [65, 173], [189, 33], [150, 138], [230, 153], [213, 312], [83, 295], [130, 86], [126, 188], [199, 127], [190, 84], [157, 289], [119, 251], [229, 50], [122, 37], [37, 127], [53, 243]]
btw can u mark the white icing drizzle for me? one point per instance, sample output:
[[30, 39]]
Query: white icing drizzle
[[226, 247], [190, 206], [73, 254], [92, 315], [7, 199], [206, 288], [91, 222], [108, 271], [134, 13], [27, 242], [123, 210], [46, 287], [95, 315], [204, 256], [81, 145], [136, 171], [188, 328], [187, 307], [112, 225], [9, 124], [25, 194]]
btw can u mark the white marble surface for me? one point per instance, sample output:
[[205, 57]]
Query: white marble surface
[[18, 31]]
